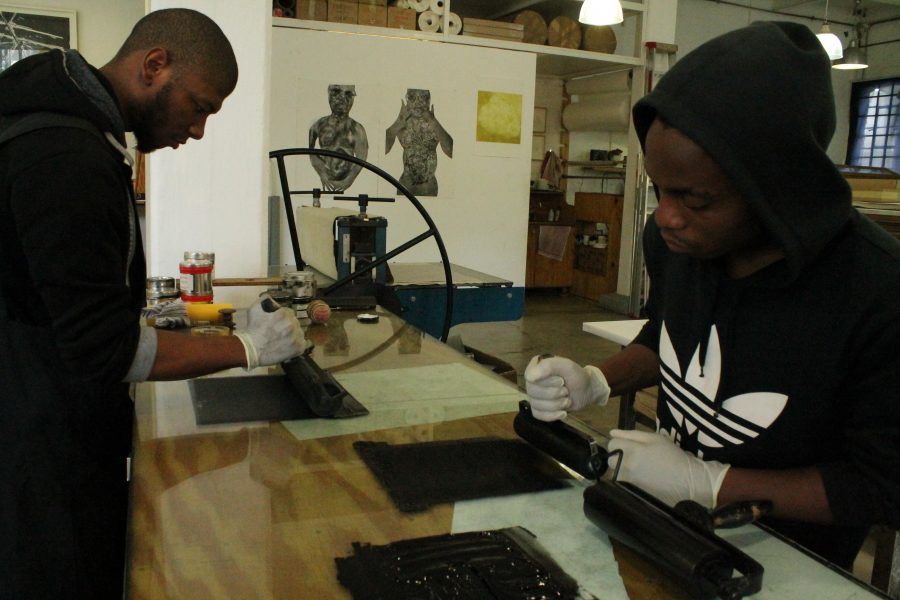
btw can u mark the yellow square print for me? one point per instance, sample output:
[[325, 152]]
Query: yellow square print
[[499, 118]]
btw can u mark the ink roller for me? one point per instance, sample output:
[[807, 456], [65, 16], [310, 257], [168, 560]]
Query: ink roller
[[679, 540], [574, 448], [317, 388]]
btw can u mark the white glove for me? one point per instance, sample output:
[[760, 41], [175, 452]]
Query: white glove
[[272, 337], [556, 385], [655, 464]]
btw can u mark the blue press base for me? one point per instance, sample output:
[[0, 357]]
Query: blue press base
[[424, 307]]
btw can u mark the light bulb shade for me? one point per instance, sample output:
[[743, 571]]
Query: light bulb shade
[[601, 12], [854, 58], [830, 42]]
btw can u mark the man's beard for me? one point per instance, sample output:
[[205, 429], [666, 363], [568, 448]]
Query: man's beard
[[152, 118]]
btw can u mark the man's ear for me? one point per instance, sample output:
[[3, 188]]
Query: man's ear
[[155, 66]]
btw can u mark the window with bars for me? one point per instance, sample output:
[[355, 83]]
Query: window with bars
[[875, 124]]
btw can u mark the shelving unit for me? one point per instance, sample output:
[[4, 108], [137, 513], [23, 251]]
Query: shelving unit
[[596, 270]]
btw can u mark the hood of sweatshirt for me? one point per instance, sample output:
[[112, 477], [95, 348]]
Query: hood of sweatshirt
[[759, 101], [78, 90]]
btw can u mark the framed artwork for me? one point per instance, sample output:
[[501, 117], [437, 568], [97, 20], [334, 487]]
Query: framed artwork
[[26, 30], [540, 119], [537, 147]]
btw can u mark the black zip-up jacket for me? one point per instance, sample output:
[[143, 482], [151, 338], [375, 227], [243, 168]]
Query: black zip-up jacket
[[72, 280], [798, 364]]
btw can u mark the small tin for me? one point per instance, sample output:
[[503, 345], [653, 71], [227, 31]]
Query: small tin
[[160, 289], [301, 284]]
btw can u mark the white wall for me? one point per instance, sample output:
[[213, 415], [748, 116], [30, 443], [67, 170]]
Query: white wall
[[210, 195], [482, 207]]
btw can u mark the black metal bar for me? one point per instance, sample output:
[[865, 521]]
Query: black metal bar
[[378, 261], [289, 210]]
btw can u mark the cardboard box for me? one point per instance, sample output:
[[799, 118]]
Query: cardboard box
[[499, 30], [343, 11], [312, 10], [402, 18], [371, 14]]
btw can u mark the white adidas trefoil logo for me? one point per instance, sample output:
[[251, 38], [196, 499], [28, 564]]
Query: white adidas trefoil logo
[[690, 399]]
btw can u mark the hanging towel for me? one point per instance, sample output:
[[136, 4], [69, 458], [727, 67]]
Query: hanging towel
[[552, 240]]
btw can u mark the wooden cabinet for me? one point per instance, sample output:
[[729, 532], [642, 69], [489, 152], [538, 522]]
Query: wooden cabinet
[[543, 271], [596, 269], [551, 240]]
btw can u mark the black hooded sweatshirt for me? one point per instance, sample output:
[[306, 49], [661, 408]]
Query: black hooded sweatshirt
[[72, 280], [798, 364]]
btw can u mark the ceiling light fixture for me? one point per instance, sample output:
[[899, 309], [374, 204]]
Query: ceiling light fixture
[[601, 12], [830, 41], [855, 55]]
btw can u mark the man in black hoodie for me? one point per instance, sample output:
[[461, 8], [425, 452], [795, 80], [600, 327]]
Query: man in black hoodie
[[72, 279], [774, 319]]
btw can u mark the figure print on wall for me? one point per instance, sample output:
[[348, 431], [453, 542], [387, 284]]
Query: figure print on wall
[[340, 133], [419, 133]]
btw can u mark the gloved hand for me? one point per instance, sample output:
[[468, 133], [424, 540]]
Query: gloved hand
[[556, 385], [655, 464], [272, 337]]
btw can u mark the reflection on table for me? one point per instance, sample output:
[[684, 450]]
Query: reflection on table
[[261, 510]]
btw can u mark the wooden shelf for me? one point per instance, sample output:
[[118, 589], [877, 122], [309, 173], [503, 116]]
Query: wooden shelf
[[551, 60]]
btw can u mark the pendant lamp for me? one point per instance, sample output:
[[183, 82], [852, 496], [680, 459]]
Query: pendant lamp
[[601, 12], [829, 41], [854, 58], [855, 55]]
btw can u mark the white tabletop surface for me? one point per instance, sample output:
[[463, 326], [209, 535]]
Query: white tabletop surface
[[621, 332]]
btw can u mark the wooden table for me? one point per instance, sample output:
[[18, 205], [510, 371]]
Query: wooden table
[[261, 510]]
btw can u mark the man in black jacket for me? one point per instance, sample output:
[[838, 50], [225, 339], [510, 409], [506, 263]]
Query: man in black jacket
[[72, 278], [774, 320]]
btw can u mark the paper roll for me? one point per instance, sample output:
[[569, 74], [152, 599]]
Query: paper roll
[[315, 228], [619, 81], [419, 5], [436, 6], [598, 112], [454, 24], [429, 21]]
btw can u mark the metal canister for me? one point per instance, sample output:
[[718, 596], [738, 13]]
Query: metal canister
[[301, 284], [196, 276], [160, 289]]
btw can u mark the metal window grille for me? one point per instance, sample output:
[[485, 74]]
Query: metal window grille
[[875, 124]]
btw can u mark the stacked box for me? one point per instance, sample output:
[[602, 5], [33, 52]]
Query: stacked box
[[343, 11], [312, 10], [402, 18], [373, 3], [498, 30], [372, 14]]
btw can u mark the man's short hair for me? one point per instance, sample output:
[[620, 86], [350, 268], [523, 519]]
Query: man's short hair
[[191, 40]]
